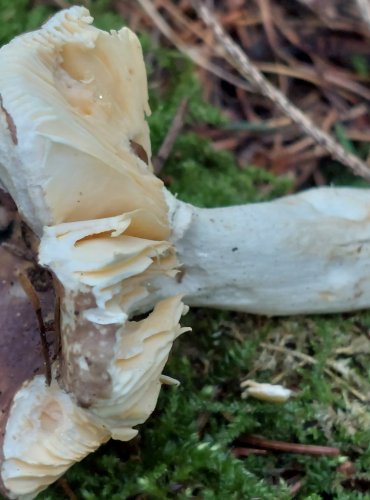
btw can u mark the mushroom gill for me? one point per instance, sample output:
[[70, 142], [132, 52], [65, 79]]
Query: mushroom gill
[[77, 100]]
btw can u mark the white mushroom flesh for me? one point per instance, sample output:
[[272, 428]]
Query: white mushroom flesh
[[74, 101]]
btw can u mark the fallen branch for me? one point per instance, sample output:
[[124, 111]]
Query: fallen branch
[[167, 145]]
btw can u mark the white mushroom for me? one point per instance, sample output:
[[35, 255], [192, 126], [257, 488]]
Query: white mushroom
[[75, 157], [305, 253], [103, 230]]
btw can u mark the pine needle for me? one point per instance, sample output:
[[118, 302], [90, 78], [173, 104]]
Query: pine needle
[[241, 62]]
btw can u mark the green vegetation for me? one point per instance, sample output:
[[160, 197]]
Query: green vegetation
[[186, 449], [17, 17]]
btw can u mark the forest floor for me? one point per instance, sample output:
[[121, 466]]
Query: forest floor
[[231, 145]]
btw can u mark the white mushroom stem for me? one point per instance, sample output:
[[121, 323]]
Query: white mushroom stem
[[306, 253]]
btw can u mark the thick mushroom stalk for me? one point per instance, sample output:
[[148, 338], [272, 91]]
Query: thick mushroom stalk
[[75, 157], [305, 253]]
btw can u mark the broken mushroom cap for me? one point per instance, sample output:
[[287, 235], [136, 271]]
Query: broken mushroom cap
[[47, 432], [75, 143], [75, 156], [104, 278]]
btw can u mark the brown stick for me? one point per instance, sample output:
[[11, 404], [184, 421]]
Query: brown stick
[[246, 452], [35, 301], [167, 145], [303, 449], [63, 483], [58, 342], [241, 62]]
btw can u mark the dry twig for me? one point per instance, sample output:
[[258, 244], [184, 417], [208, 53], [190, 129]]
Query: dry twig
[[303, 449], [35, 301], [191, 52], [67, 490], [167, 145], [62, 4]]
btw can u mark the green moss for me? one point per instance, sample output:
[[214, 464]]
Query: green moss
[[210, 178], [16, 17]]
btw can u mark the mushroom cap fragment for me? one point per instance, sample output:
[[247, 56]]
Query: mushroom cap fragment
[[46, 433], [273, 393], [74, 100]]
